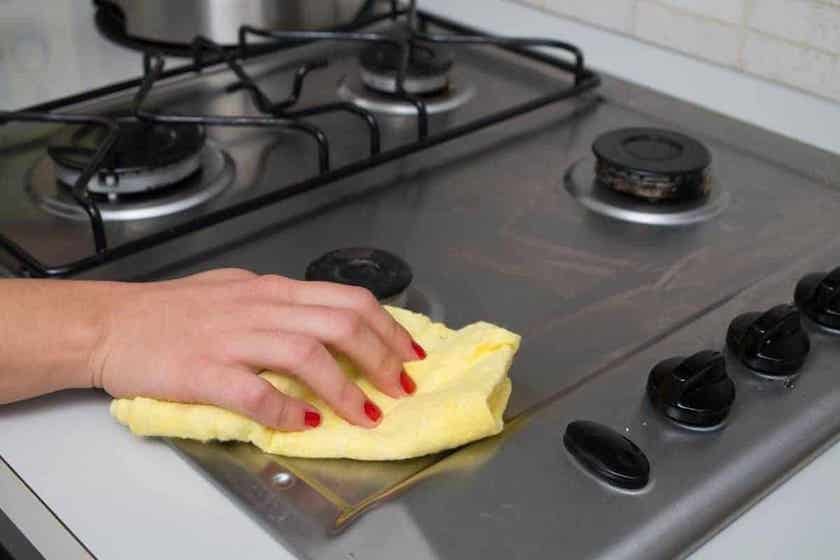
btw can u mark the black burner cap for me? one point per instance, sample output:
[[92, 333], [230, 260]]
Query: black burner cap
[[384, 274], [140, 146], [425, 61], [653, 164]]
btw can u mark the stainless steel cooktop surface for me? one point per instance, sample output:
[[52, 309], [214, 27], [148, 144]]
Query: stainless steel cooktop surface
[[507, 224]]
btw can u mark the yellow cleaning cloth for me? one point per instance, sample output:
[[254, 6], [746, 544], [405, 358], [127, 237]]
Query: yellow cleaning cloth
[[462, 391]]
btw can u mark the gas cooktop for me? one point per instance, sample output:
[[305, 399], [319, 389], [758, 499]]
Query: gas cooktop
[[672, 271]]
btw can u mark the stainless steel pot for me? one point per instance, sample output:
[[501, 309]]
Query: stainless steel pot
[[179, 21]]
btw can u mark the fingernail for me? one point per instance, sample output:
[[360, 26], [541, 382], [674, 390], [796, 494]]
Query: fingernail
[[408, 384], [418, 350], [312, 419], [372, 411]]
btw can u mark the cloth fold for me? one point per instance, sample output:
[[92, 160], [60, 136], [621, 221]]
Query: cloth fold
[[462, 391]]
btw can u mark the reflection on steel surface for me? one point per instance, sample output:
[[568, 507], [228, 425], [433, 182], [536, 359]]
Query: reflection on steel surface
[[332, 491]]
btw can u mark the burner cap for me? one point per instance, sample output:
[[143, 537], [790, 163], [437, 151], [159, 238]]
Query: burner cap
[[145, 156], [384, 274], [427, 72], [652, 164]]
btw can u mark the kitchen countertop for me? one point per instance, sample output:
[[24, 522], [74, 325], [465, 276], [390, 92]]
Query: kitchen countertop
[[96, 467]]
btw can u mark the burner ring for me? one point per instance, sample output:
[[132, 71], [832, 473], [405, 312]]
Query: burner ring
[[145, 157], [652, 164], [582, 184], [387, 83], [384, 274], [109, 182], [217, 175], [454, 97], [427, 72]]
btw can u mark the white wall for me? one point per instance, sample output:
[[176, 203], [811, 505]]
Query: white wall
[[794, 42]]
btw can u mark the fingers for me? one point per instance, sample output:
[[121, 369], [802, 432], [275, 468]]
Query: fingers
[[308, 360], [344, 331], [289, 330], [358, 300], [243, 392]]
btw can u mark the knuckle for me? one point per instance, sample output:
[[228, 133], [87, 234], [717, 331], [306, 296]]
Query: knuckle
[[280, 412], [241, 273], [256, 397], [270, 284], [363, 300], [232, 273], [304, 350], [348, 392], [221, 275], [395, 331], [347, 324], [386, 363]]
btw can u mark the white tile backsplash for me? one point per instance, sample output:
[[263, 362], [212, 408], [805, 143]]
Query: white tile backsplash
[[612, 14], [794, 42], [826, 27], [788, 19], [803, 67], [699, 36], [807, 22], [730, 11]]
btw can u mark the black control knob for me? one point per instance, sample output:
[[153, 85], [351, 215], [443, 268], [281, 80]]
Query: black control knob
[[818, 296], [694, 391], [773, 343], [607, 455]]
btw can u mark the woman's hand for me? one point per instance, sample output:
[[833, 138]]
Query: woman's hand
[[204, 339]]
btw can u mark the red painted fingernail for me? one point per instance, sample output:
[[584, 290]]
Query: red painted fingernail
[[408, 384], [372, 411], [312, 419], [418, 350]]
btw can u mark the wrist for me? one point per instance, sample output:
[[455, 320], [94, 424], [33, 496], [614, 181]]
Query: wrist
[[49, 333], [81, 330], [96, 325]]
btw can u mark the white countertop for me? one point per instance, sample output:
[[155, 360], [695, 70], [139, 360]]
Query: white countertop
[[130, 498]]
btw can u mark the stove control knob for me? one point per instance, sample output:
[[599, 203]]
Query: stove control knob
[[818, 296], [607, 455], [694, 391], [773, 343]]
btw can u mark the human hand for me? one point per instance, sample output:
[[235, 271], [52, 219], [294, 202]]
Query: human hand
[[203, 338]]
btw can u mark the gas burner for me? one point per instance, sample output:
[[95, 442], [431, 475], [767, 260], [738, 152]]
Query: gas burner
[[216, 174], [427, 72], [652, 164], [453, 97], [649, 176], [146, 156], [428, 77], [384, 274]]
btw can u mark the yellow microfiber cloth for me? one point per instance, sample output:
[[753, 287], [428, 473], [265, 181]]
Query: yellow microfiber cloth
[[462, 391]]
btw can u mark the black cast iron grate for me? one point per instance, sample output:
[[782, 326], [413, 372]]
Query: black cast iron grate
[[283, 114]]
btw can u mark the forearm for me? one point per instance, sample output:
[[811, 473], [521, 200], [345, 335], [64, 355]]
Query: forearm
[[48, 331]]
